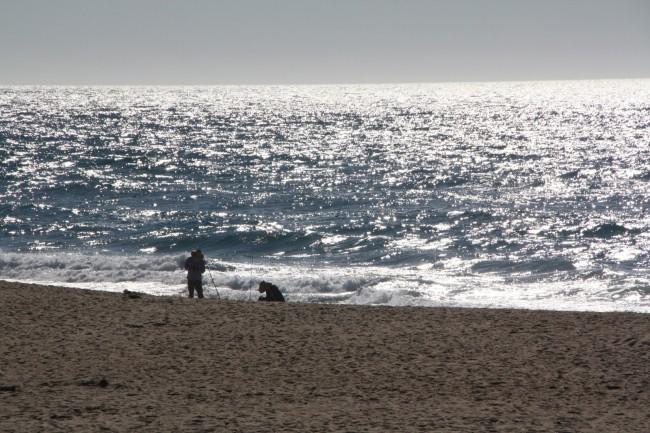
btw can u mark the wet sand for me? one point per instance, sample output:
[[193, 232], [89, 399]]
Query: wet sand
[[86, 361]]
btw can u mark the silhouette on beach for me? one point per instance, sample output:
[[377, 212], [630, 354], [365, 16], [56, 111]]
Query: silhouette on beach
[[272, 292], [195, 266]]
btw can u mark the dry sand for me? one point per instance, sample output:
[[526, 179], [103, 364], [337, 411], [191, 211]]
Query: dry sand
[[85, 361]]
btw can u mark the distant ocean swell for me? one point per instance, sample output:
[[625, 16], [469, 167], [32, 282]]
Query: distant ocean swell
[[531, 195]]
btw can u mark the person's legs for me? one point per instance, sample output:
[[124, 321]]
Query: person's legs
[[190, 288], [199, 289]]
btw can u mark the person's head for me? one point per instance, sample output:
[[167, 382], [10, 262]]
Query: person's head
[[263, 286], [193, 253]]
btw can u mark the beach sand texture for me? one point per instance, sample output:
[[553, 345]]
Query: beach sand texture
[[87, 361]]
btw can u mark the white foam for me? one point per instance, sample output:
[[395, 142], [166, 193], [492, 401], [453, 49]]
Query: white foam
[[415, 286]]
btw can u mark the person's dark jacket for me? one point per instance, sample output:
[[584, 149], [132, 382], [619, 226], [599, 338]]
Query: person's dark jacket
[[195, 267], [273, 294]]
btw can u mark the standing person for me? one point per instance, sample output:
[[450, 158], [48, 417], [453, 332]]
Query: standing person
[[195, 266], [272, 292]]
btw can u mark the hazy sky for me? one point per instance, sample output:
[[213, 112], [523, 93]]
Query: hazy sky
[[320, 41]]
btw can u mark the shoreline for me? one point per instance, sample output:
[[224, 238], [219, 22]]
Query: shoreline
[[209, 292], [86, 360]]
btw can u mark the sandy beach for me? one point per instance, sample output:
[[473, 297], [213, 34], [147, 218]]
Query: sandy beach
[[87, 361]]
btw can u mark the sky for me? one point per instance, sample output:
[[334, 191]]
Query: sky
[[320, 41]]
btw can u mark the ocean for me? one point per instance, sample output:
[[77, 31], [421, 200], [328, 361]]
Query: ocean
[[500, 195]]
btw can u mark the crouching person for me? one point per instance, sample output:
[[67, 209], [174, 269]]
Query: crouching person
[[271, 291]]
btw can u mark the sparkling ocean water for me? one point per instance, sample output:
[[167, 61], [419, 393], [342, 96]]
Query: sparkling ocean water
[[527, 194]]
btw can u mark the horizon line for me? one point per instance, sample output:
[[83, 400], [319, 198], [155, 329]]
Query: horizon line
[[351, 83]]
